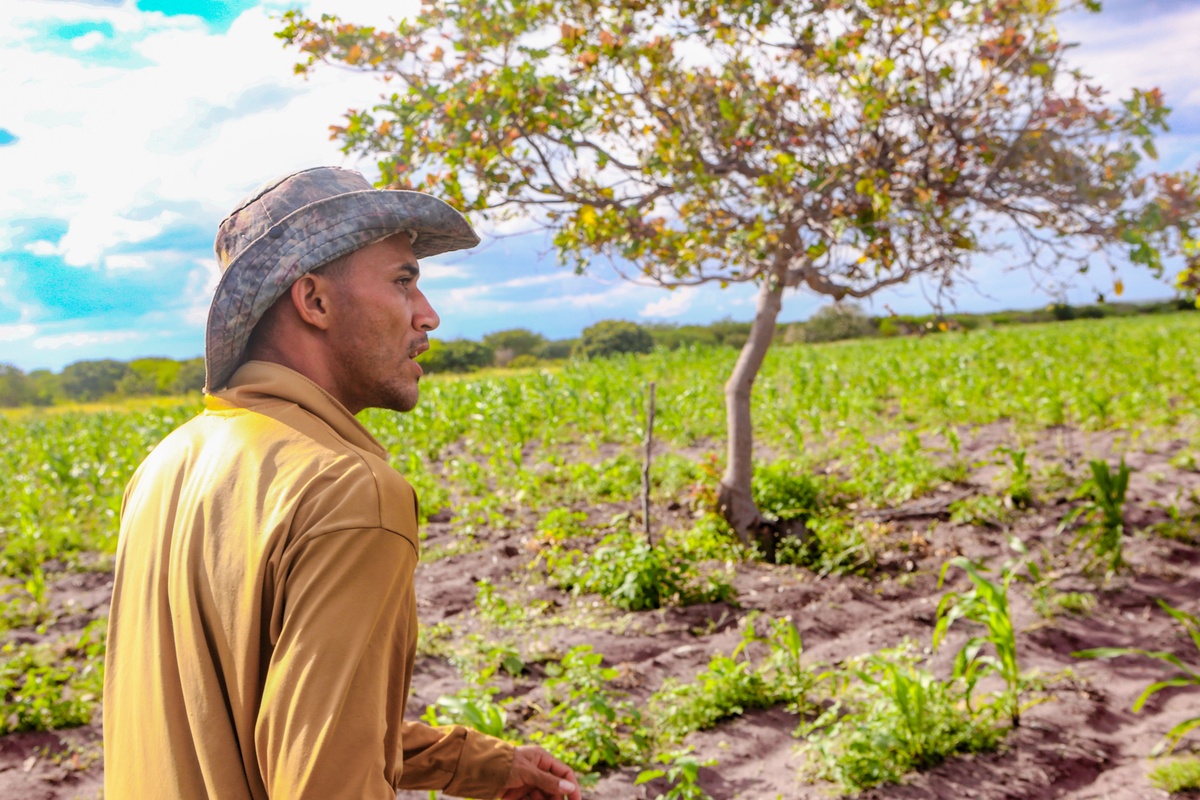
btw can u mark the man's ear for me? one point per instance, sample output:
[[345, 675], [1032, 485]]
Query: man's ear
[[310, 297]]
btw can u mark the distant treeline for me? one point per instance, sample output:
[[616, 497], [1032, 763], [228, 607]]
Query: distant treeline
[[108, 379]]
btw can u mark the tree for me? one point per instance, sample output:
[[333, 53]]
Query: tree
[[510, 344], [843, 146], [91, 380], [190, 377], [456, 355], [612, 336], [15, 387]]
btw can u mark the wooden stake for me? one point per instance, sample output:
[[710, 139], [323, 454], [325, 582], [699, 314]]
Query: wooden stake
[[646, 466]]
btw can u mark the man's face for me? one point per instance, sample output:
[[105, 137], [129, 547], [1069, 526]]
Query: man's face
[[380, 321]]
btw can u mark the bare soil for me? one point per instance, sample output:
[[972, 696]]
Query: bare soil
[[1082, 742]]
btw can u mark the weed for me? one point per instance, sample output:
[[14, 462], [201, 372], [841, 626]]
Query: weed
[[731, 684], [1188, 675], [1181, 525], [52, 685], [787, 491], [1074, 602], [589, 725], [634, 576], [981, 509], [503, 613], [837, 543], [560, 524], [890, 717], [470, 707], [1177, 775], [683, 773]]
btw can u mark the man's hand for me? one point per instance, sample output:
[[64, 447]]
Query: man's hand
[[537, 775]]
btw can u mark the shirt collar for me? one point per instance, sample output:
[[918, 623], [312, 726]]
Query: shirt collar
[[256, 382]]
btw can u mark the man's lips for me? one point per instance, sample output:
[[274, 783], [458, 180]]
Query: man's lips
[[418, 348]]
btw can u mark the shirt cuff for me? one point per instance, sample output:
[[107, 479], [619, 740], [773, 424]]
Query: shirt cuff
[[483, 768]]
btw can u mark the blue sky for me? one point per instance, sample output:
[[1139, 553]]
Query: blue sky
[[128, 128]]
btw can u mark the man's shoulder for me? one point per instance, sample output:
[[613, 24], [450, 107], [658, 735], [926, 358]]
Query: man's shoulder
[[330, 482]]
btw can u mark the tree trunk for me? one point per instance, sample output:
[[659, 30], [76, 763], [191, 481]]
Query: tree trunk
[[734, 498]]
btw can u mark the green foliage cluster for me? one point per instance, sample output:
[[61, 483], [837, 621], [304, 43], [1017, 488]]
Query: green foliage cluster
[[733, 683], [56, 684], [832, 323], [1177, 775], [633, 575], [589, 725], [889, 717]]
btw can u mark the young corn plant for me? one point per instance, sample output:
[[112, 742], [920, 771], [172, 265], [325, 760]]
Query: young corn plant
[[986, 604], [889, 717], [1019, 493], [1187, 675], [1103, 511]]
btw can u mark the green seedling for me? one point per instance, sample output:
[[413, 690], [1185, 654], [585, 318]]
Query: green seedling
[[1103, 511], [682, 771], [986, 604], [1187, 675]]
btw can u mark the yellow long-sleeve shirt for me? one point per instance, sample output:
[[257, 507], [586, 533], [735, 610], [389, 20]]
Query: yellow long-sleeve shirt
[[263, 624]]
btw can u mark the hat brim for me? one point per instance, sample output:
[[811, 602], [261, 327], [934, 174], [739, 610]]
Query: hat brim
[[311, 237]]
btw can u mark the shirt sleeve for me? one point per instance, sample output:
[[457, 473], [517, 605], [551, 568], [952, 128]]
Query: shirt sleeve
[[330, 723], [457, 760]]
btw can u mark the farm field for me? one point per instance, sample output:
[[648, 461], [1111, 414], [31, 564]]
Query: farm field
[[975, 458]]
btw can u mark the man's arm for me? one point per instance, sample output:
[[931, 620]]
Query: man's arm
[[333, 699]]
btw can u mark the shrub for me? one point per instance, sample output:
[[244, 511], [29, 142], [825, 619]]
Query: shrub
[[838, 321], [524, 361], [613, 336]]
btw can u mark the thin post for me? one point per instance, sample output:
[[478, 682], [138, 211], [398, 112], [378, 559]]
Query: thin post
[[646, 466]]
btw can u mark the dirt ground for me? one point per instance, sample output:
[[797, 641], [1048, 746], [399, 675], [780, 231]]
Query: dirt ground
[[1081, 743]]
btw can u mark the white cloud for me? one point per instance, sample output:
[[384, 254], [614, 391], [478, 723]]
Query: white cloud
[[15, 333], [88, 41], [674, 304], [122, 261], [43, 248], [85, 339], [98, 165], [201, 285]]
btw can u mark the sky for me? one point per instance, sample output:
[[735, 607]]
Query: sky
[[129, 128]]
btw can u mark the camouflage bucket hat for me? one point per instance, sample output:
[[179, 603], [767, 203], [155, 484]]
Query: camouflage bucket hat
[[292, 225]]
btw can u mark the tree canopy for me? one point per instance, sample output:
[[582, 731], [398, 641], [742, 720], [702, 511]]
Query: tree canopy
[[842, 146]]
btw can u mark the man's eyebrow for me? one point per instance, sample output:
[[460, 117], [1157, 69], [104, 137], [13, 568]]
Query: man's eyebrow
[[409, 270]]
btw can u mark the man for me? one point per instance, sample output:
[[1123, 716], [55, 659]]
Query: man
[[263, 624]]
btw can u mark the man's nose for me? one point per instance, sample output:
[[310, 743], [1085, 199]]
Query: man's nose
[[424, 317]]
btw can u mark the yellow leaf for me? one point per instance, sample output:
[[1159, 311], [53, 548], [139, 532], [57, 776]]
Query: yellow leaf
[[354, 55], [1118, 287]]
